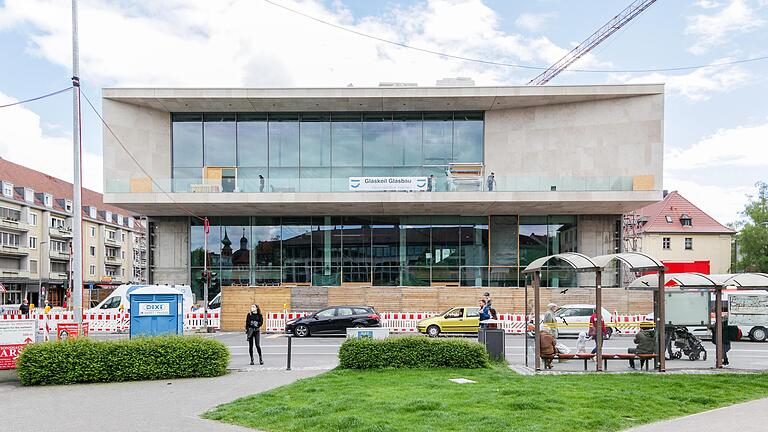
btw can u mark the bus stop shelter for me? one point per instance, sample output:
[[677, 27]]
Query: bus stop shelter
[[635, 261], [711, 283]]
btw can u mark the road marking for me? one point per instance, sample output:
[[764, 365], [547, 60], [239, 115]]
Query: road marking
[[275, 336]]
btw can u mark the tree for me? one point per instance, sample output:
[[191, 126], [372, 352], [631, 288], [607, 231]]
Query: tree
[[752, 239]]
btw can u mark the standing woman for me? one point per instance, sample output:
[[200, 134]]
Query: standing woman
[[253, 323]]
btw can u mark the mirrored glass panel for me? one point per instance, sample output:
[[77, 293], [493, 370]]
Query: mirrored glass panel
[[315, 140], [283, 140], [252, 140], [347, 143], [220, 139], [187, 140]]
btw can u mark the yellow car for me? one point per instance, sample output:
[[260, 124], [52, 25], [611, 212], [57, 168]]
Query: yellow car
[[462, 319]]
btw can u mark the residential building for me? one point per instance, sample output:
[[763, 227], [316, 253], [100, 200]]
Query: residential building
[[36, 234], [681, 235], [405, 198]]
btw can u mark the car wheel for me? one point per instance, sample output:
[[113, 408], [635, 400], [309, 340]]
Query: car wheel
[[358, 325], [301, 330], [433, 331], [758, 334]]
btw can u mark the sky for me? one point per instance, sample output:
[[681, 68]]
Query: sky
[[716, 119]]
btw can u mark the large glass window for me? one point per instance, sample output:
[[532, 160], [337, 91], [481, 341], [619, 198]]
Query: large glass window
[[220, 140], [356, 249], [377, 141], [407, 139], [187, 140], [468, 137], [252, 140], [283, 140], [326, 250], [297, 250], [315, 140], [438, 138], [347, 142]]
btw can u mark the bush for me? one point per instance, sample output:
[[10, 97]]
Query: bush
[[411, 352], [86, 361]]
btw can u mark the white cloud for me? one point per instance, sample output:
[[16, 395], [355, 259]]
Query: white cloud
[[707, 4], [252, 43], [533, 22], [722, 203], [24, 142], [696, 85], [717, 28], [727, 148]]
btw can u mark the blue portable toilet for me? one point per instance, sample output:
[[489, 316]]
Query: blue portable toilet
[[156, 310]]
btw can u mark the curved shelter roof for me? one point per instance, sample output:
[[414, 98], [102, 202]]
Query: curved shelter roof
[[636, 261], [579, 262], [702, 281]]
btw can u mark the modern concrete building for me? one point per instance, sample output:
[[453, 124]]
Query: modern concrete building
[[36, 233], [682, 236], [406, 198]]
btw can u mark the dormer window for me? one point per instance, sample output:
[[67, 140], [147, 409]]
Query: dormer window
[[685, 220], [108, 216], [669, 219], [119, 219], [8, 190], [130, 222], [92, 212], [48, 200], [29, 195], [68, 205]]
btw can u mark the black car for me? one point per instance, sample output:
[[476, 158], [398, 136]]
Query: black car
[[334, 320]]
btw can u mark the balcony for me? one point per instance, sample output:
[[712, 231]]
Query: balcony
[[14, 274], [13, 250], [59, 255], [111, 241], [60, 233], [58, 276], [14, 225], [112, 261]]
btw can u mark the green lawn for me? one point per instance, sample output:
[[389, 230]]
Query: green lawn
[[424, 400]]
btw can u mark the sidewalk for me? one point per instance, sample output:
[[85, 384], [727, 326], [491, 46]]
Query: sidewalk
[[746, 417], [168, 405]]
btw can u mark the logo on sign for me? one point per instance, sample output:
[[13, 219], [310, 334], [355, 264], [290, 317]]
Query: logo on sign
[[151, 309], [354, 183]]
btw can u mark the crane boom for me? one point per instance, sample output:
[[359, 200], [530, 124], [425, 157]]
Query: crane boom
[[609, 28]]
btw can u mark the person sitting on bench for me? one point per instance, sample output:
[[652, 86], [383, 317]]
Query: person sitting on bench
[[645, 341], [548, 348]]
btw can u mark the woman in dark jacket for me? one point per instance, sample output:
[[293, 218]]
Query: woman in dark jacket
[[253, 323]]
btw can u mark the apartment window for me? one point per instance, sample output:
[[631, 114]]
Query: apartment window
[[48, 200], [33, 242], [92, 270], [666, 243], [92, 250], [68, 205], [122, 254], [111, 252], [6, 213], [122, 272], [60, 267], [8, 189], [8, 239], [122, 237], [92, 212], [93, 231], [688, 243], [109, 272], [669, 219], [33, 266], [108, 216], [32, 218], [58, 246], [119, 219], [29, 195], [110, 234], [57, 222]]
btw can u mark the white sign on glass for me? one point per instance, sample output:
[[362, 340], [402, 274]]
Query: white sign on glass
[[398, 184]]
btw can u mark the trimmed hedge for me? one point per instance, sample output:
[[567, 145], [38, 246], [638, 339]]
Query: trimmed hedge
[[412, 352], [87, 361]]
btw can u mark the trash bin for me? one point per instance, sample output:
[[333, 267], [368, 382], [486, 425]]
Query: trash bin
[[156, 310], [493, 339]]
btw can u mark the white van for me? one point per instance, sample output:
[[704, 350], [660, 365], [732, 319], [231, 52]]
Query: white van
[[118, 299]]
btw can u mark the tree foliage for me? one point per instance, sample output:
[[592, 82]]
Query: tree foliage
[[753, 237]]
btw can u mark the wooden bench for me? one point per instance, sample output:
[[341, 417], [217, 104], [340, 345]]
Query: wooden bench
[[627, 357], [585, 357]]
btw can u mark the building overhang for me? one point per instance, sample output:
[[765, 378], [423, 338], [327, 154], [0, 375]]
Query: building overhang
[[382, 203], [370, 98]]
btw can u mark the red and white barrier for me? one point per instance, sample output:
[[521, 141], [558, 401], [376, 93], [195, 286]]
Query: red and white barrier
[[399, 322], [276, 320]]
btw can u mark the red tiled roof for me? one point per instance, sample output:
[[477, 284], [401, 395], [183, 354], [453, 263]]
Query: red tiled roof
[[22, 176], [675, 206]]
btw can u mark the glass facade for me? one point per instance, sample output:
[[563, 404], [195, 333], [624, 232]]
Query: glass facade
[[379, 250], [314, 152]]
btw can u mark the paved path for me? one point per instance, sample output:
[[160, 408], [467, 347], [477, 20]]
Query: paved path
[[170, 405], [746, 417]]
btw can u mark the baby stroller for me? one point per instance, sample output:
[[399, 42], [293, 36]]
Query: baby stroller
[[681, 342]]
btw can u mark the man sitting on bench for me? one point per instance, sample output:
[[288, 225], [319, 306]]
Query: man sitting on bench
[[646, 343]]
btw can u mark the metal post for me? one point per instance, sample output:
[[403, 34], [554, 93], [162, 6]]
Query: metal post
[[599, 319], [661, 323], [718, 327], [536, 312], [77, 208], [288, 366], [656, 336], [525, 317], [206, 273]]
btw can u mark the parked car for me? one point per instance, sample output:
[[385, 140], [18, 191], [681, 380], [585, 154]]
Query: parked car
[[462, 319], [334, 320], [574, 318]]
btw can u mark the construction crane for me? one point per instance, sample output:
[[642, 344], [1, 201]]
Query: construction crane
[[611, 27]]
